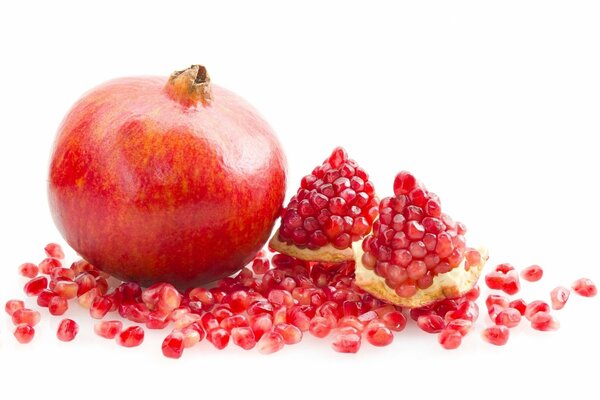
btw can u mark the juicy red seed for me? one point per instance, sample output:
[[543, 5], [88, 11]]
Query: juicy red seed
[[394, 320], [54, 250], [243, 337], [509, 317], [260, 265], [35, 286], [473, 294], [378, 334], [504, 268], [131, 337], [497, 299], [414, 230], [494, 310], [66, 289], [406, 290], [280, 298], [100, 307], [319, 327], [13, 305], [24, 333], [584, 287], [28, 270], [219, 337], [43, 299], [535, 307], [49, 264], [431, 323], [466, 310], [235, 321], [495, 280], [543, 321], [270, 342], [559, 297], [172, 345], [26, 316], [67, 330], [86, 299], [463, 326], [533, 273], [518, 304], [290, 333], [85, 282], [472, 258], [346, 340], [496, 335], [58, 305], [404, 183], [450, 339], [511, 284], [108, 329]]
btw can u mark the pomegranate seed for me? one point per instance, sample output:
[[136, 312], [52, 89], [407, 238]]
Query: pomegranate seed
[[584, 287], [260, 307], [394, 320], [13, 305], [260, 265], [511, 283], [543, 321], [404, 183], [504, 268], [235, 321], [378, 334], [48, 265], [219, 337], [463, 326], [85, 282], [26, 316], [186, 320], [209, 322], [100, 307], [290, 333], [157, 320], [28, 270], [495, 280], [86, 299], [466, 310], [473, 294], [431, 323], [172, 345], [60, 274], [559, 297], [281, 298], [192, 335], [67, 330], [66, 289], [54, 250], [221, 312], [35, 286], [270, 342], [58, 305], [204, 296], [533, 273], [496, 299], [43, 299], [450, 339], [169, 298], [24, 333], [108, 329], [243, 337], [496, 335], [508, 317], [131, 337], [319, 327], [535, 307], [346, 340], [261, 324], [518, 304], [494, 310]]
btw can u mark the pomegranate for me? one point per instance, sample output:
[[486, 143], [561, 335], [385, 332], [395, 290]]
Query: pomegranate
[[417, 254], [334, 206], [175, 180]]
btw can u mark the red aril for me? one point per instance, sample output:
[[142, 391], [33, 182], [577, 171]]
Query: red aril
[[450, 339], [511, 284], [518, 304], [584, 287], [543, 321], [101, 305], [57, 305], [66, 289], [24, 333], [197, 158], [463, 326], [496, 299], [131, 337], [508, 317], [559, 297], [25, 316], [243, 337], [496, 335], [431, 323], [495, 280], [319, 327], [290, 333], [533, 273], [43, 299], [13, 305], [28, 270], [378, 334], [35, 286], [172, 345], [394, 320], [346, 340], [67, 330], [219, 337], [270, 342], [535, 307], [49, 264], [108, 329], [54, 250]]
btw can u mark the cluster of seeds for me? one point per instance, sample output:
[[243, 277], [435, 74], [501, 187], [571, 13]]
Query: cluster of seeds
[[268, 305], [335, 204], [413, 240]]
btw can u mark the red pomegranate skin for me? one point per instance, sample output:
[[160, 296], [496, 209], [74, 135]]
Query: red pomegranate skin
[[148, 188]]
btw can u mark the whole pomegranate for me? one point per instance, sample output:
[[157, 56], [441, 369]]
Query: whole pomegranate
[[155, 179]]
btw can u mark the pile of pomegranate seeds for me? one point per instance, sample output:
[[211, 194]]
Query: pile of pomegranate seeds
[[413, 240], [335, 204], [272, 305]]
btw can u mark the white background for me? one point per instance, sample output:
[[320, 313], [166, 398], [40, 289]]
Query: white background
[[494, 105]]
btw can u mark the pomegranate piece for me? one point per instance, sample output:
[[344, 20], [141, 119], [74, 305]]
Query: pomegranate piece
[[431, 323], [559, 297], [535, 307], [219, 337], [55, 251], [24, 333], [35, 286], [108, 329], [346, 340], [57, 305], [290, 333], [394, 320], [378, 334], [131, 337], [26, 316], [496, 335], [67, 330], [172, 345], [450, 339], [28, 270], [13, 305], [270, 342], [533, 273], [584, 287], [508, 317], [543, 321], [518, 304], [243, 337]]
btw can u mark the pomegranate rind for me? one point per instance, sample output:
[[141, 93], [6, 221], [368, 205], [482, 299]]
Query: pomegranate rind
[[327, 253], [452, 284]]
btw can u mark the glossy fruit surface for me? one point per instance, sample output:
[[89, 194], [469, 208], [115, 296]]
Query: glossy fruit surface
[[169, 180]]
